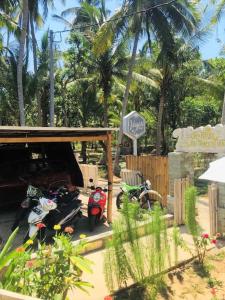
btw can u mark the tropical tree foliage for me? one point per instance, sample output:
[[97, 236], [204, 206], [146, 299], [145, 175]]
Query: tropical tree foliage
[[144, 57]]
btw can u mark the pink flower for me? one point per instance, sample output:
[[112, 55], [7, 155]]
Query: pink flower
[[205, 236], [30, 264], [40, 225], [213, 242], [213, 291]]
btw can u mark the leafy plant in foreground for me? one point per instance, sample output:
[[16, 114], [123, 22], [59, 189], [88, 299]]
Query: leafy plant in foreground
[[48, 273]]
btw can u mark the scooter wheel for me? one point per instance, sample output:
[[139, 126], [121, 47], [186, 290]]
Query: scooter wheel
[[92, 222]]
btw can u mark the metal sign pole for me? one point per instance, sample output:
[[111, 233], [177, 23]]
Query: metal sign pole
[[135, 147]]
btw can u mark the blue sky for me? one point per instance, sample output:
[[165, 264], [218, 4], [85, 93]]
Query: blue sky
[[211, 47]]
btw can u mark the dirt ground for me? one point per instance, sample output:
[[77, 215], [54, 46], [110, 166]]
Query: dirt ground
[[193, 282]]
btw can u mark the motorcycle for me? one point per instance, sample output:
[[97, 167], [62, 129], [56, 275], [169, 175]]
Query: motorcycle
[[55, 207], [143, 194], [96, 206]]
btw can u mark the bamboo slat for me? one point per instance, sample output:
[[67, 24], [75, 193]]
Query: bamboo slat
[[213, 196], [180, 186]]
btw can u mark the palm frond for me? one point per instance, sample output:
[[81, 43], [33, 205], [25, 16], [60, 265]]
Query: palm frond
[[107, 33], [219, 11], [62, 20], [70, 11], [145, 80]]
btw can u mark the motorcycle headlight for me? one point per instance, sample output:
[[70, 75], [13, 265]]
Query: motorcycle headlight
[[97, 197], [148, 184]]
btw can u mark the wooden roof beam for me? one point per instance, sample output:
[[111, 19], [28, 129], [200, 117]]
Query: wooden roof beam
[[58, 139]]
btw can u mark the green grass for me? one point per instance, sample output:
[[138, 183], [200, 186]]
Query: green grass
[[218, 257]]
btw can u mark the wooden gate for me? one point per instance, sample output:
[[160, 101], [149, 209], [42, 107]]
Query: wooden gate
[[213, 198], [154, 168]]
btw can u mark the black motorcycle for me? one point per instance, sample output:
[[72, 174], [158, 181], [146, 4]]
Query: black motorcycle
[[46, 209]]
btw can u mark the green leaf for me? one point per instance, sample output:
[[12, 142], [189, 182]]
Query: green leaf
[[58, 297], [7, 246], [81, 284], [82, 263]]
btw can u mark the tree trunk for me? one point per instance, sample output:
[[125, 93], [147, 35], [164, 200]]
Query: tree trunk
[[27, 41], [223, 111], [125, 100], [51, 77], [159, 123], [34, 48], [84, 151], [106, 97], [20, 62], [34, 43]]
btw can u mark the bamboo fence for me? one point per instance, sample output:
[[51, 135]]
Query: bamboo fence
[[154, 168]]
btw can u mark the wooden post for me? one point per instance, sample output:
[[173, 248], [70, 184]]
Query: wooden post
[[213, 198], [110, 177], [180, 186]]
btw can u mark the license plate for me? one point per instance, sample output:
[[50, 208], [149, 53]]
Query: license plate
[[37, 210]]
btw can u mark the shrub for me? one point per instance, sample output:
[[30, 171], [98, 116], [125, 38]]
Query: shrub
[[48, 273], [200, 240]]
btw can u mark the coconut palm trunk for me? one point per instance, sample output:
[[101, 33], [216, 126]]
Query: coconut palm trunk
[[125, 100], [105, 120], [22, 41], [159, 123], [34, 47], [34, 42], [223, 111]]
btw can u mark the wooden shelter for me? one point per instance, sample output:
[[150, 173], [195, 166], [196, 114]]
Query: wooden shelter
[[26, 135]]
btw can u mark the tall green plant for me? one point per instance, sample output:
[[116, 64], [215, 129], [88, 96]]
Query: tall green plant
[[190, 211], [130, 256]]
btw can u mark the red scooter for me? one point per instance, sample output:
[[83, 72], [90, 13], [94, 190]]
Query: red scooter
[[96, 206]]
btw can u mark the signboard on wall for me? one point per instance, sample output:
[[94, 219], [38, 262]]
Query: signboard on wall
[[134, 127], [205, 139]]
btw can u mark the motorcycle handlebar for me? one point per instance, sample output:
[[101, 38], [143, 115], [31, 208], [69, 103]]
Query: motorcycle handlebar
[[98, 187]]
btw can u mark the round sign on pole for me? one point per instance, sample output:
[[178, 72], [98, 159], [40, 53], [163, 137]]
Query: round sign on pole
[[134, 127]]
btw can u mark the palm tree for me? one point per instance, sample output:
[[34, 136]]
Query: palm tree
[[36, 18], [109, 64], [159, 19], [25, 17], [216, 18]]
